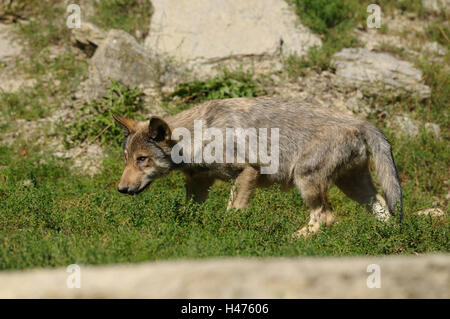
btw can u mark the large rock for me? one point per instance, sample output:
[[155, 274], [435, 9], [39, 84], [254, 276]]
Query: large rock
[[361, 67], [208, 31], [122, 58], [347, 277]]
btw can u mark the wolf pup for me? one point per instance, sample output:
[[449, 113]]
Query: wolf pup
[[315, 146]]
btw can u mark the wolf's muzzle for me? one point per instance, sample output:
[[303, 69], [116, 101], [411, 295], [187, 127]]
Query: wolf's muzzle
[[133, 191], [123, 190]]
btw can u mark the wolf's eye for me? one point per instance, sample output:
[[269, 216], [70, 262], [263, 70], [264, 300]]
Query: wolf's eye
[[141, 158]]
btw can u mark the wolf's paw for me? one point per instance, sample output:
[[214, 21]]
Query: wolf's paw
[[306, 231], [379, 208]]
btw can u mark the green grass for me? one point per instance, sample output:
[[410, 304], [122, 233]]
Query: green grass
[[439, 32], [57, 218], [322, 15], [128, 15], [94, 121], [228, 84]]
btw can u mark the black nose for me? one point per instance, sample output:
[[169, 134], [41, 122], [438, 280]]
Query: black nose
[[123, 189]]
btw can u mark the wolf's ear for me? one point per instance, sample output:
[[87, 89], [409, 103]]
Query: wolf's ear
[[127, 125], [159, 130]]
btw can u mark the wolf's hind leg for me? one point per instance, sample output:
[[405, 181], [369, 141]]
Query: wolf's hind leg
[[197, 187], [243, 188], [357, 184], [314, 192]]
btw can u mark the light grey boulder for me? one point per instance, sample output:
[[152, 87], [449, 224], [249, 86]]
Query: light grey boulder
[[206, 32], [376, 71], [122, 58]]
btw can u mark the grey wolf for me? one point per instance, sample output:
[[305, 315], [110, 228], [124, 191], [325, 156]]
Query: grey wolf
[[317, 147]]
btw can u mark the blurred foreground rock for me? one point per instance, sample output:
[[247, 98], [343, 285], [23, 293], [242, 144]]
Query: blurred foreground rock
[[400, 277]]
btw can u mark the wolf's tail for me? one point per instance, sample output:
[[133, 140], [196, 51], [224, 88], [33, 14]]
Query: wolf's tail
[[386, 170]]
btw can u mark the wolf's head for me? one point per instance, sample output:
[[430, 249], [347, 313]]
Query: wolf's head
[[146, 149]]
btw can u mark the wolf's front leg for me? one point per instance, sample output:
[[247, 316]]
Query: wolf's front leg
[[197, 187], [243, 188]]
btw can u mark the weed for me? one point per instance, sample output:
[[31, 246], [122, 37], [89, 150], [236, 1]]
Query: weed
[[414, 6], [128, 15], [322, 15], [334, 21], [439, 32], [94, 120], [227, 85]]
